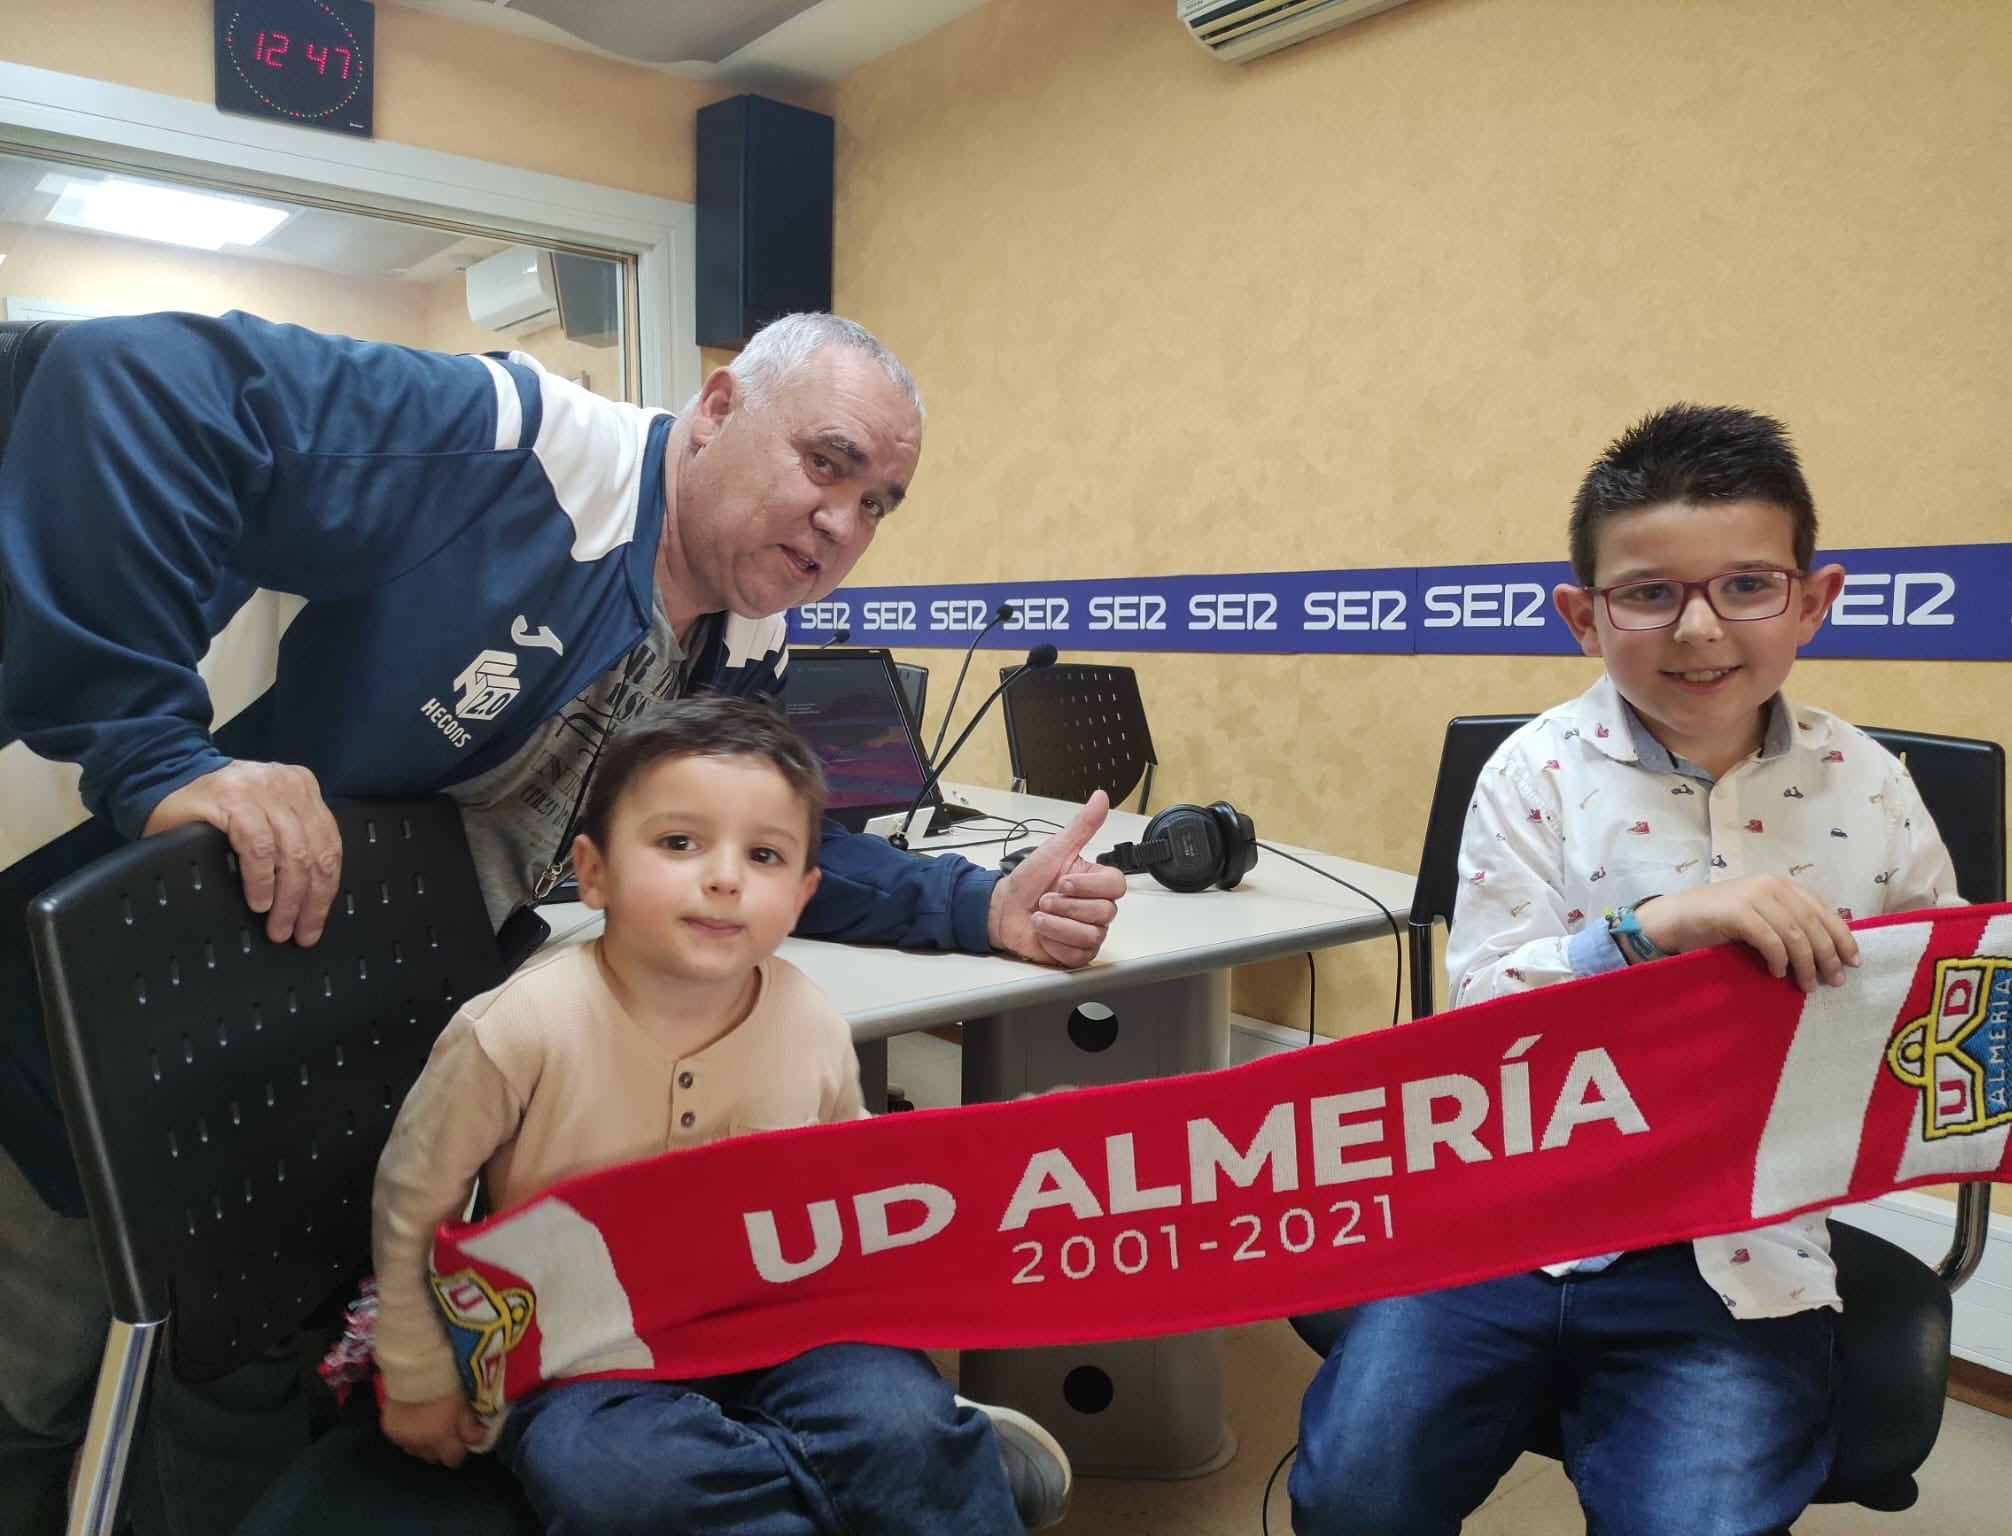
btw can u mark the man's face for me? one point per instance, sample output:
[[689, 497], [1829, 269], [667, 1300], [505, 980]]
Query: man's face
[[780, 497]]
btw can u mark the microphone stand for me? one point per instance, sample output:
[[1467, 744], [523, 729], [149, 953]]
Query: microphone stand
[[1000, 615], [1041, 656]]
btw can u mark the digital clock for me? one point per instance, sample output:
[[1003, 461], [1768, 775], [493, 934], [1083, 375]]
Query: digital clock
[[298, 61]]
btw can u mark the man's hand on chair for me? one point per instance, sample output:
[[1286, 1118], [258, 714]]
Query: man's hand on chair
[[1057, 907], [289, 851]]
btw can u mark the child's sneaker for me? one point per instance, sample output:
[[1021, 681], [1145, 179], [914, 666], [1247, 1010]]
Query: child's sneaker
[[1037, 1470]]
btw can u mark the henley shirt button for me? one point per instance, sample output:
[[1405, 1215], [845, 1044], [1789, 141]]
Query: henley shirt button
[[684, 1079], [687, 1119]]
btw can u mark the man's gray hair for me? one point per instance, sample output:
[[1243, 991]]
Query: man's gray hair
[[783, 346]]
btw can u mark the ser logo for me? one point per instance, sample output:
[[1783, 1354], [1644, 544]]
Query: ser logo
[[1486, 605], [484, 1325], [1956, 1054], [826, 615], [1916, 598], [1128, 611]]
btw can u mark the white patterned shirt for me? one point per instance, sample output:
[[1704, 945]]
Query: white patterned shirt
[[1582, 811]]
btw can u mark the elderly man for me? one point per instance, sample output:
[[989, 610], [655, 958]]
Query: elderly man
[[486, 567]]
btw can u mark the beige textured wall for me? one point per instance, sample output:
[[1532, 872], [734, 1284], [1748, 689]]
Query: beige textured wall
[[1377, 300], [441, 85]]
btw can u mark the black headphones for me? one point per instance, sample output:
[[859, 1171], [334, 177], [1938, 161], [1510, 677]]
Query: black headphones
[[1187, 848]]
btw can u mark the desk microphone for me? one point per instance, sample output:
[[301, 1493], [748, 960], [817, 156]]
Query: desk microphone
[[1000, 615], [838, 637], [1042, 655]]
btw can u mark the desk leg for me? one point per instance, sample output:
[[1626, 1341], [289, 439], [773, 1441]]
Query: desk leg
[[1143, 1408], [872, 1057]]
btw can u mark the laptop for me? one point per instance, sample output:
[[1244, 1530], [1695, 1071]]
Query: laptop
[[849, 705]]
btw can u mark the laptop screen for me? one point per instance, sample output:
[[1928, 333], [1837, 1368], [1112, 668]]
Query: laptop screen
[[848, 705]]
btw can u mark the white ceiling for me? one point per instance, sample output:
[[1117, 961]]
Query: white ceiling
[[773, 47]]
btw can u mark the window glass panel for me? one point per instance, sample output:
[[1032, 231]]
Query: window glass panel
[[80, 240]]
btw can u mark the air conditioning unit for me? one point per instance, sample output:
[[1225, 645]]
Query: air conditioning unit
[[513, 291], [1239, 30]]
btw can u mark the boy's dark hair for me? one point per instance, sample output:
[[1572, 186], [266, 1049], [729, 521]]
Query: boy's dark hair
[[1692, 453], [705, 725]]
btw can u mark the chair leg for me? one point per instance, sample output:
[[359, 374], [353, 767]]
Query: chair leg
[[1966, 1244], [115, 1420]]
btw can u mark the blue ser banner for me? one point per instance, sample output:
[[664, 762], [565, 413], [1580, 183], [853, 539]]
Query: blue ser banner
[[1950, 602]]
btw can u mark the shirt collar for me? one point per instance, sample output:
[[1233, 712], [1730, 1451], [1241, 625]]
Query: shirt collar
[[1610, 723]]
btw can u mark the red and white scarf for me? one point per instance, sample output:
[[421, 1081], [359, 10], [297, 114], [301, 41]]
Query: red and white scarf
[[1694, 1096]]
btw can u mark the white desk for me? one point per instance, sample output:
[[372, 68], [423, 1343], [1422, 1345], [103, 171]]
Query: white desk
[[1154, 1003]]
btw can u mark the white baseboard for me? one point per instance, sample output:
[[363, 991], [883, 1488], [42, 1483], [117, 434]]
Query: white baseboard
[[1251, 1038], [1922, 1224]]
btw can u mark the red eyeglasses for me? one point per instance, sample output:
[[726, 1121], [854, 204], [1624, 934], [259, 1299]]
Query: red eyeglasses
[[1735, 596]]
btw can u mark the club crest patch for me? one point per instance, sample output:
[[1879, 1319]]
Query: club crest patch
[[487, 684], [1957, 1054], [484, 1324]]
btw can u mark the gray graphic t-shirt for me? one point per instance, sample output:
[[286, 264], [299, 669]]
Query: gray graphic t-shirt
[[517, 812]]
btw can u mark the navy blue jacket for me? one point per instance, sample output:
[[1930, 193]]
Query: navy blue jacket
[[472, 541]]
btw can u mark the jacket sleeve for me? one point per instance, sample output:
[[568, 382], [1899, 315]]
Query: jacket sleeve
[[159, 462], [874, 893]]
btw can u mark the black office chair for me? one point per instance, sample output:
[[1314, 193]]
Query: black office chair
[[914, 689], [227, 1098], [1892, 1337], [1074, 729]]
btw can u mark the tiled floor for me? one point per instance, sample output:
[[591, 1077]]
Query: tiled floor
[[1966, 1485]]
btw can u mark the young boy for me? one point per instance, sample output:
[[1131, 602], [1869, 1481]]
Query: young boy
[[1679, 802], [677, 1026]]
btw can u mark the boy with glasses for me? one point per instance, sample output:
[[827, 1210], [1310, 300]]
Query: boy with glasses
[[1679, 802]]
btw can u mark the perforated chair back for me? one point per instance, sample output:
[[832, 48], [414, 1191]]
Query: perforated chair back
[[1072, 729], [227, 1096], [914, 689], [1962, 782]]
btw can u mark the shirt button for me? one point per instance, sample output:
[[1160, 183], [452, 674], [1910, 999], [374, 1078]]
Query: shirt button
[[684, 1079], [687, 1119]]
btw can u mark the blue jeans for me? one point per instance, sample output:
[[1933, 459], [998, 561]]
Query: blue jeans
[[1674, 1416], [848, 1438]]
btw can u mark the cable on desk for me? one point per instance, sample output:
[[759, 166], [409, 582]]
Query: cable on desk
[[1396, 932], [1003, 840], [1015, 830]]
